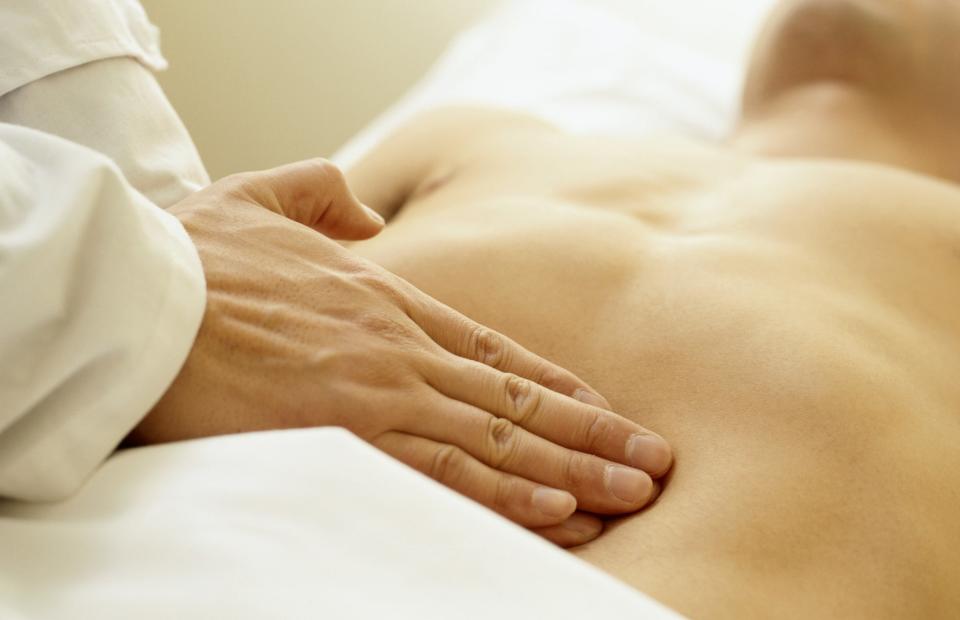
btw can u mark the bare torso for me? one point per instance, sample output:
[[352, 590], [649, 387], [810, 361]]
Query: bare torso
[[790, 326]]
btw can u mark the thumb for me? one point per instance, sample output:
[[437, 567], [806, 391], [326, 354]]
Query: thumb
[[314, 192]]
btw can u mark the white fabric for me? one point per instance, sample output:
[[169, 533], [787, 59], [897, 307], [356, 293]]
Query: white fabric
[[291, 524], [116, 107], [40, 37], [624, 68], [101, 295]]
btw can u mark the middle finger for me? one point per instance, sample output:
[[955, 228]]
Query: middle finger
[[558, 418]]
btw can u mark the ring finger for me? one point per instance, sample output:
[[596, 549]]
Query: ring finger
[[522, 501], [599, 485]]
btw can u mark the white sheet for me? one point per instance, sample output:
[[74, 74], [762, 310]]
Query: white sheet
[[620, 67], [292, 524]]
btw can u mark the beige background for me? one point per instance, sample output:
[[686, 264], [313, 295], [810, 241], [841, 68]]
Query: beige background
[[260, 83]]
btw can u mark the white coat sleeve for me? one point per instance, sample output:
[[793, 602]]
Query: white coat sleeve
[[115, 106], [83, 70], [101, 296]]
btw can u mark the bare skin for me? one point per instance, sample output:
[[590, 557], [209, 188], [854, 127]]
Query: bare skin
[[783, 309], [300, 332]]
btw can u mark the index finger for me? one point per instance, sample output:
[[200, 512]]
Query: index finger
[[552, 416]]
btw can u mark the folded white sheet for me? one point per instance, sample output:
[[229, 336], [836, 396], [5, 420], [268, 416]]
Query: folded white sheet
[[292, 524]]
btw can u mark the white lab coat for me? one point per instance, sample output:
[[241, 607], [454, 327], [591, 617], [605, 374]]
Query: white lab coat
[[101, 291]]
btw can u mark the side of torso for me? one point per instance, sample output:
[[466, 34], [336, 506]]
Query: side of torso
[[790, 327]]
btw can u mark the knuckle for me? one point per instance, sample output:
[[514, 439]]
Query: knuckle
[[547, 375], [541, 374], [379, 283], [596, 430], [522, 399], [447, 464], [501, 442], [575, 468], [330, 172], [487, 346]]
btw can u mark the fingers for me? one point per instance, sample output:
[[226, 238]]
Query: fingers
[[579, 529], [554, 417], [522, 501], [517, 501], [313, 192], [468, 339], [598, 485]]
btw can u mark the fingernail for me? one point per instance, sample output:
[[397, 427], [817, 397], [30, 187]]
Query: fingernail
[[588, 397], [553, 503], [649, 452], [627, 484], [376, 217]]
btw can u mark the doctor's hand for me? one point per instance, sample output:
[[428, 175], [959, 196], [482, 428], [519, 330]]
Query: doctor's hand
[[300, 332]]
